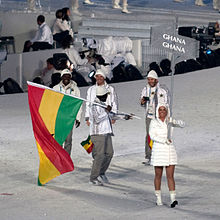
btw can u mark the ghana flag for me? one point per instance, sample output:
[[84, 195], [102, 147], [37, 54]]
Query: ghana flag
[[53, 115], [87, 145]]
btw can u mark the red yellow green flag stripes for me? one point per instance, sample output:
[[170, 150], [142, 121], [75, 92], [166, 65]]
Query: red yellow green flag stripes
[[150, 142], [53, 115], [87, 145]]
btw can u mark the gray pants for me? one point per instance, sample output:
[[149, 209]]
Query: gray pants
[[147, 148], [68, 143], [102, 154]]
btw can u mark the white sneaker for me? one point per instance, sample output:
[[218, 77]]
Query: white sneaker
[[125, 10], [116, 7], [88, 2], [104, 178], [96, 182]]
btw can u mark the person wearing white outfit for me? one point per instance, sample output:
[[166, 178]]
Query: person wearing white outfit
[[151, 95], [163, 152], [124, 9], [43, 38], [101, 136]]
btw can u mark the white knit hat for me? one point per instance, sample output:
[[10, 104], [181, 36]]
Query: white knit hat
[[152, 74], [100, 72], [65, 71], [101, 90]]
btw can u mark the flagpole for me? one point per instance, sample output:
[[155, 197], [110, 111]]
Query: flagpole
[[95, 103]]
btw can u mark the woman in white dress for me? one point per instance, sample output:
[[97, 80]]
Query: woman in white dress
[[163, 152]]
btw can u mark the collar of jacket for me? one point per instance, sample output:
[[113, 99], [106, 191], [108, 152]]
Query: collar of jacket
[[42, 25], [71, 85]]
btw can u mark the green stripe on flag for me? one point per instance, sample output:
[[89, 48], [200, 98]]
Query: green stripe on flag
[[66, 116]]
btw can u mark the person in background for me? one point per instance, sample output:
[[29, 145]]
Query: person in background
[[47, 72], [68, 86], [163, 151], [67, 21], [43, 39], [151, 95], [124, 9], [60, 28]]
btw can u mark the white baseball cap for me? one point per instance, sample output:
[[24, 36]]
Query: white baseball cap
[[152, 74], [65, 71], [100, 72]]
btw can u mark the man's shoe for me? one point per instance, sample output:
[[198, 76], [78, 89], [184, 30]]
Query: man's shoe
[[104, 178], [96, 182]]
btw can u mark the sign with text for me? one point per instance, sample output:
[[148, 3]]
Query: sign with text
[[167, 38]]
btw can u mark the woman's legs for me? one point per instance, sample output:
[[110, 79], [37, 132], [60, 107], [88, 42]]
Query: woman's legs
[[157, 184], [170, 177], [157, 178], [171, 184]]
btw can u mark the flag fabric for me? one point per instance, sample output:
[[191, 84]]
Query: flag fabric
[[53, 115], [150, 142], [87, 145]]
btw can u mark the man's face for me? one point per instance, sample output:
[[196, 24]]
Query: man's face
[[152, 82], [66, 79], [100, 80]]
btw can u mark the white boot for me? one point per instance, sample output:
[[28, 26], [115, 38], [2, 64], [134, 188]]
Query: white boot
[[173, 200], [158, 195]]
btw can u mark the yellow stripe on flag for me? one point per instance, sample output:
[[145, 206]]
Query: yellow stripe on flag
[[47, 170], [48, 115]]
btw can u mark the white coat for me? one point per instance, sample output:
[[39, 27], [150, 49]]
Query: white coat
[[112, 99], [163, 154], [100, 121], [71, 89], [60, 26]]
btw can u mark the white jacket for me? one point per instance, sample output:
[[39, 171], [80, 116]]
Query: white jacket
[[100, 121], [43, 34], [60, 26], [71, 89], [112, 99], [74, 57], [163, 153], [160, 96]]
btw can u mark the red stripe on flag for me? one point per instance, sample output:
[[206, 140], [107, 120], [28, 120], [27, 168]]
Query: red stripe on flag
[[54, 152], [37, 93]]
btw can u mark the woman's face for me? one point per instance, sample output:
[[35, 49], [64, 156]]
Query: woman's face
[[162, 112]]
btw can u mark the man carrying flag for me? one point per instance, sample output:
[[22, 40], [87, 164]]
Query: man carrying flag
[[68, 86]]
